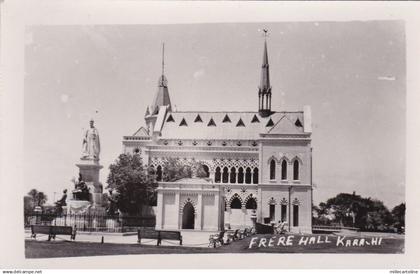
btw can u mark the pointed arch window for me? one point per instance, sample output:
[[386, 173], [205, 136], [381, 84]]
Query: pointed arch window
[[225, 175], [272, 169], [206, 170], [296, 170], [217, 175], [240, 175], [226, 119], [284, 170], [295, 215], [198, 119], [232, 175], [159, 173], [211, 123], [251, 203], [236, 203], [298, 123], [248, 176], [255, 176]]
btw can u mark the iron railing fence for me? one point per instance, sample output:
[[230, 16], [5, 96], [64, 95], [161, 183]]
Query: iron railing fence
[[90, 221]]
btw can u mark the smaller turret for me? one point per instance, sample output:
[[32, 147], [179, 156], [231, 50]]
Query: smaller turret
[[161, 97]]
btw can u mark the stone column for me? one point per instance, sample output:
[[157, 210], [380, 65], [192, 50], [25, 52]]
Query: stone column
[[212, 175], [198, 226], [244, 215], [219, 211], [228, 212], [159, 219], [179, 217], [260, 204], [289, 172]]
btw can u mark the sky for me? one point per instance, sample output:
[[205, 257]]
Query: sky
[[352, 74]]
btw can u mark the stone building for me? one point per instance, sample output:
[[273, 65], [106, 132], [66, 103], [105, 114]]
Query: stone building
[[255, 161]]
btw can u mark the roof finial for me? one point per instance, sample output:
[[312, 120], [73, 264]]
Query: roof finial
[[265, 33], [163, 58]]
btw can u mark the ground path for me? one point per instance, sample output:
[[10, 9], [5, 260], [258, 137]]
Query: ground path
[[40, 248]]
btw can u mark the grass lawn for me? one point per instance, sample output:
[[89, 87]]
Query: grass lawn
[[45, 249]]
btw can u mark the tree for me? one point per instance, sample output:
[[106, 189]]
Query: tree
[[28, 205], [398, 214], [321, 214], [135, 187], [38, 197], [364, 213], [174, 170], [200, 172], [378, 216], [344, 206]]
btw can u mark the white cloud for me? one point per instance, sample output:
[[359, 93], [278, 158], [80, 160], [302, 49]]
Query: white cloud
[[387, 78]]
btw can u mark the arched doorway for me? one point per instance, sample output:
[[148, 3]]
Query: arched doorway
[[188, 216]]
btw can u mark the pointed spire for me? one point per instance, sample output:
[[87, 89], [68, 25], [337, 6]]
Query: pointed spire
[[264, 89], [162, 95], [163, 58], [265, 71]]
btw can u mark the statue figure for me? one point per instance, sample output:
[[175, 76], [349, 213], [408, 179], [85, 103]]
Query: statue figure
[[62, 202], [91, 146], [81, 191]]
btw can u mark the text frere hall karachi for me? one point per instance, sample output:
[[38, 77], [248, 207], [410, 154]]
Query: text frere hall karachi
[[258, 163]]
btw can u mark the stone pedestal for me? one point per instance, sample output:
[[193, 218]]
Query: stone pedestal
[[78, 207], [89, 169]]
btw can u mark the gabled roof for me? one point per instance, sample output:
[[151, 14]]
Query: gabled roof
[[285, 126], [141, 132]]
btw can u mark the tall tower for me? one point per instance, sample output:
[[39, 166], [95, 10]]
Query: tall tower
[[161, 97], [264, 90]]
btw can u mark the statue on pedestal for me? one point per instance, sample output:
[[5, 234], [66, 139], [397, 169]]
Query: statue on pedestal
[[81, 191], [91, 146]]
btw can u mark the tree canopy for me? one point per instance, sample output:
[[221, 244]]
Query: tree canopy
[[135, 187], [353, 210], [38, 197], [174, 170]]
